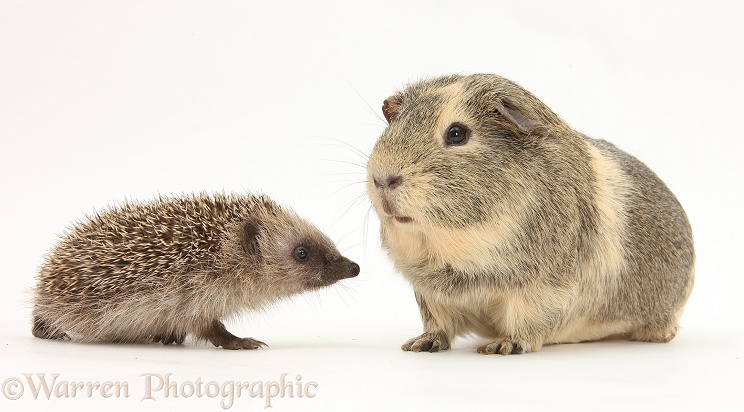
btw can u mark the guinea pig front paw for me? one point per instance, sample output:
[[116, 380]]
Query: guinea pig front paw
[[505, 347], [426, 342]]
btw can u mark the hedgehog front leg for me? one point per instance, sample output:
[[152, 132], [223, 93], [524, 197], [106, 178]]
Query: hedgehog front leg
[[216, 333]]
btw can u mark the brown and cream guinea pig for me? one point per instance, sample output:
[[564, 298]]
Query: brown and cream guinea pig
[[511, 225]]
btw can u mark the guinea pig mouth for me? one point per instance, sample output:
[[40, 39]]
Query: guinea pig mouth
[[402, 219], [391, 212]]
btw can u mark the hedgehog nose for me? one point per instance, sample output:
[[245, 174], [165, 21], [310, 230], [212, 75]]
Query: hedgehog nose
[[354, 269]]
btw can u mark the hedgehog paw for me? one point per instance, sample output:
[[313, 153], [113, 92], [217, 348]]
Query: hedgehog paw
[[244, 343], [168, 339], [216, 333]]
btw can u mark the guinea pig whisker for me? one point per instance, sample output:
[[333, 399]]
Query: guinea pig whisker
[[344, 145], [348, 162], [344, 250], [365, 230], [341, 239], [349, 185], [346, 208], [371, 110]]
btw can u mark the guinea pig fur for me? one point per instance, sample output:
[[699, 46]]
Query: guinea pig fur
[[513, 226]]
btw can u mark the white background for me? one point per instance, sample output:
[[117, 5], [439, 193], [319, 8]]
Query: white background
[[106, 100]]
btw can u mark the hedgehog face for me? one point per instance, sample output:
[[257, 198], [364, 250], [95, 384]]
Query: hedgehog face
[[317, 264], [295, 256]]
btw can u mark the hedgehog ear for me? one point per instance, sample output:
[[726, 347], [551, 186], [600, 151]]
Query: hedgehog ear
[[523, 124], [249, 237], [391, 107]]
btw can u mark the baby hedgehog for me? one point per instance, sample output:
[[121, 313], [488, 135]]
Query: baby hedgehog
[[161, 270]]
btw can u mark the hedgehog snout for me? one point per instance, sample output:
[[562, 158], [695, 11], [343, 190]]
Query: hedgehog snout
[[344, 270]]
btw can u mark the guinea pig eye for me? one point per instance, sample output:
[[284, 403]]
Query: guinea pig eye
[[301, 254], [457, 135]]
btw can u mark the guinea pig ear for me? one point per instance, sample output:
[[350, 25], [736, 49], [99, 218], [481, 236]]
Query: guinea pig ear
[[391, 107], [524, 124], [249, 237]]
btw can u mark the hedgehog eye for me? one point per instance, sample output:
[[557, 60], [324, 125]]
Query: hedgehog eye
[[301, 254], [457, 135]]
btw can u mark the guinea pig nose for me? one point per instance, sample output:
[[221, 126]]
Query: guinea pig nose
[[354, 268], [394, 182]]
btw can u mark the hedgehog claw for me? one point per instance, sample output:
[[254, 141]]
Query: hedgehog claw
[[244, 343], [216, 333]]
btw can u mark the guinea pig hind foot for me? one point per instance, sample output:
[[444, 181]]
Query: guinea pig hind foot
[[648, 334], [216, 333]]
